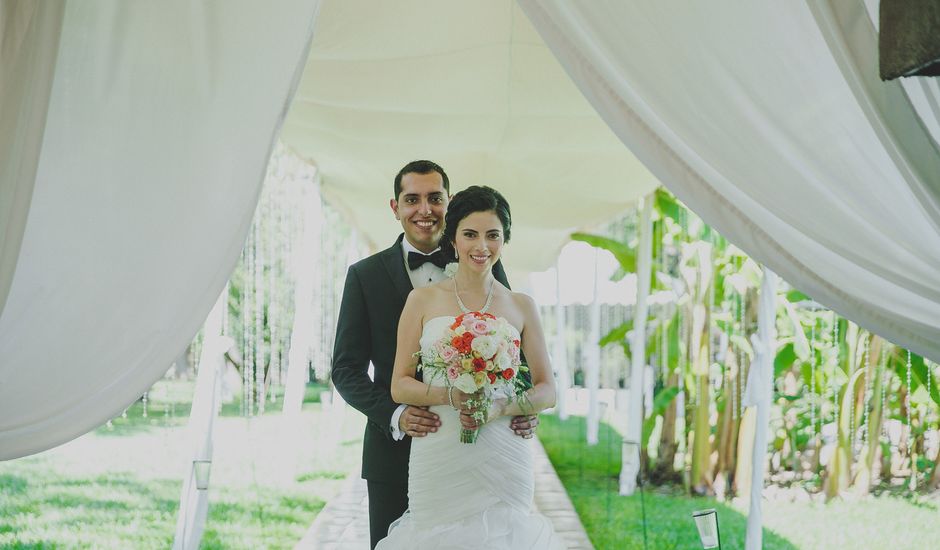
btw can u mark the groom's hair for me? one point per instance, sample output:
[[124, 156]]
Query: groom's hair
[[420, 167], [476, 198]]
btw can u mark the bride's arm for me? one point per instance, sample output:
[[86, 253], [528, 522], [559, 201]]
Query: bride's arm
[[541, 395], [405, 387]]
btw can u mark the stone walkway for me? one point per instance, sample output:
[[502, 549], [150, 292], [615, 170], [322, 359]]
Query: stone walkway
[[343, 524]]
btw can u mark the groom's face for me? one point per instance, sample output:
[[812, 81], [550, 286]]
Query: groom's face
[[420, 207]]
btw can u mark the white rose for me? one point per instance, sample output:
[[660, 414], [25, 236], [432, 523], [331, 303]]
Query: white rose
[[465, 383], [504, 361], [486, 346]]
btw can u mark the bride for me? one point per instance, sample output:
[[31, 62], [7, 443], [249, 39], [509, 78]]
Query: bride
[[477, 495]]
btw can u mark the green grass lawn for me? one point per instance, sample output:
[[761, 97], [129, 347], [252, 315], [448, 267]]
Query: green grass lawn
[[119, 486], [590, 475]]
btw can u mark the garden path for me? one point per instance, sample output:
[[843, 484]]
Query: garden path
[[344, 522]]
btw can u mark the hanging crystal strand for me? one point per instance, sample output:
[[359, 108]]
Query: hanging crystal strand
[[717, 379], [323, 300], [736, 327], [603, 323], [610, 316], [682, 356], [907, 401], [837, 353], [287, 245], [248, 324], [729, 371], [664, 345], [324, 297], [145, 398], [929, 375], [927, 418], [885, 380], [259, 315], [226, 327], [273, 312], [742, 326], [812, 384], [663, 312], [866, 395]]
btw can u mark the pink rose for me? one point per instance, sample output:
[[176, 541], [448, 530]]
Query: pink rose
[[448, 353], [453, 372], [480, 328]]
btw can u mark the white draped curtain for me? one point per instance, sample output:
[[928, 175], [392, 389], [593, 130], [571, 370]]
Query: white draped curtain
[[768, 119], [29, 39], [135, 137]]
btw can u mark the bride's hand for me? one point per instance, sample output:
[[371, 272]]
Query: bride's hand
[[495, 410], [459, 400], [462, 402]]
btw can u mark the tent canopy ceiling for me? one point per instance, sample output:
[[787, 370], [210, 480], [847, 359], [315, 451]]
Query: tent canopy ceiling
[[469, 85]]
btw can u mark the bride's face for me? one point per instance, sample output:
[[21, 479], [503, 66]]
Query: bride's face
[[479, 241]]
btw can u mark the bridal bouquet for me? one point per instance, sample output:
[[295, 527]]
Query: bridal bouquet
[[479, 355]]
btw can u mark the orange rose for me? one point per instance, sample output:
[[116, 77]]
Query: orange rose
[[508, 373]]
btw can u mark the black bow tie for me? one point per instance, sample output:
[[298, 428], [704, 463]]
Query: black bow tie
[[416, 259]]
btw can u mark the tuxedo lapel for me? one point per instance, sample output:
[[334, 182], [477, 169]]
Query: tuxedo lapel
[[394, 263]]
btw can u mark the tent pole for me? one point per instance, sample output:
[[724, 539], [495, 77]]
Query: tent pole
[[759, 393], [194, 502], [630, 466]]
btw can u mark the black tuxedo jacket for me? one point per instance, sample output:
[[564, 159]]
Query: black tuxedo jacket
[[367, 331]]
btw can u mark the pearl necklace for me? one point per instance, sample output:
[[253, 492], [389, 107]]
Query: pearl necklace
[[486, 306]]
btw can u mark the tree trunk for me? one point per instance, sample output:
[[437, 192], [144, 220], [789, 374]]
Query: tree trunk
[[727, 437], [664, 470]]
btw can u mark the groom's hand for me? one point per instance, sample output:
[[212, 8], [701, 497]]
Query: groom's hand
[[418, 421], [524, 426]]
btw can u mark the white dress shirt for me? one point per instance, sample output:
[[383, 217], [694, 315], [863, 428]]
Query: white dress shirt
[[425, 275]]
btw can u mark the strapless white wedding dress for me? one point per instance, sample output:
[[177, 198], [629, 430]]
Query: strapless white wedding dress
[[469, 496]]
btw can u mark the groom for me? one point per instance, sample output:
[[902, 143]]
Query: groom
[[367, 330]]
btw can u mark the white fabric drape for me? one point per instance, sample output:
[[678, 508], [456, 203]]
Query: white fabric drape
[[469, 85], [159, 124], [29, 40], [766, 119], [759, 394]]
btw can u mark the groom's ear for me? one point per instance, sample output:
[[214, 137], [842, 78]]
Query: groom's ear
[[393, 204]]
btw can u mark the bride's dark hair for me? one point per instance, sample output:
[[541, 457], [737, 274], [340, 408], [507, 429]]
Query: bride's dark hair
[[476, 198]]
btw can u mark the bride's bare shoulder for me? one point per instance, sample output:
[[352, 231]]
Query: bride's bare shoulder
[[525, 306], [522, 300], [429, 294], [421, 294]]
